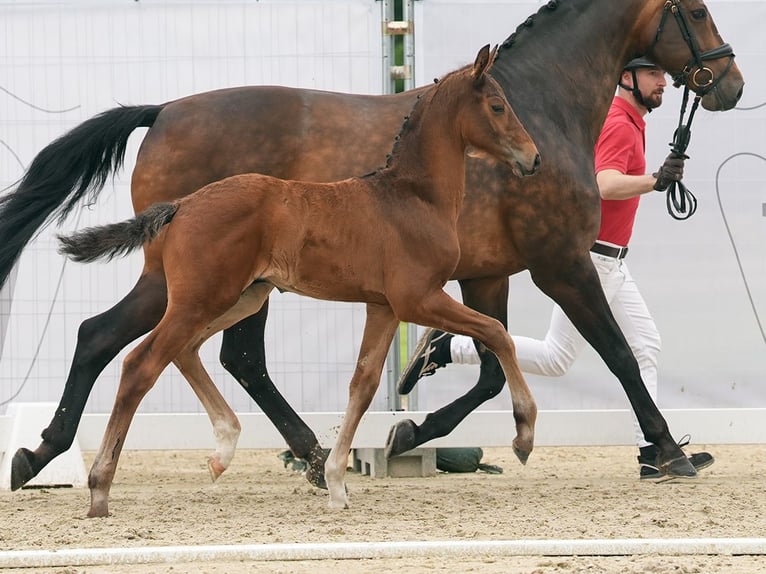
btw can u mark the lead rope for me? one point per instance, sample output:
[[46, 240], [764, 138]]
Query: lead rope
[[680, 201]]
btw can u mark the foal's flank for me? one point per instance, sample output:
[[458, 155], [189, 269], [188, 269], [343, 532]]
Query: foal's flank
[[346, 241]]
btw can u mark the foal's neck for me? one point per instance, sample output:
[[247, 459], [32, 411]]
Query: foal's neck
[[429, 153]]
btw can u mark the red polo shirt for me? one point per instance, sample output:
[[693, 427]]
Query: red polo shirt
[[620, 146]]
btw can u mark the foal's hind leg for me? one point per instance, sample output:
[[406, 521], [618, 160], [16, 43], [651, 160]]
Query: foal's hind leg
[[226, 427], [379, 331], [140, 371], [439, 310], [99, 340], [243, 355]]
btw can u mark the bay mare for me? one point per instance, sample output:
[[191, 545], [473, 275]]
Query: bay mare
[[563, 63], [227, 245]]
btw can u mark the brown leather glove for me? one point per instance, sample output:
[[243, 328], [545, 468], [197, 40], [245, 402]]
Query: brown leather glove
[[670, 171]]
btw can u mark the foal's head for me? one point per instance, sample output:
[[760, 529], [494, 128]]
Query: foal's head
[[487, 121]]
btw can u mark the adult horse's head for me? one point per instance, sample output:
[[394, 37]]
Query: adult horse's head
[[489, 124], [685, 42]]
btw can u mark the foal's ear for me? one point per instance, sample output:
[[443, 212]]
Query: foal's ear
[[483, 63]]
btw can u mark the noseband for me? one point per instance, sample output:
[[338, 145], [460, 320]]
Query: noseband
[[681, 202], [702, 79]]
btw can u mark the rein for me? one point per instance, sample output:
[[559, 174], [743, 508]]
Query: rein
[[681, 202]]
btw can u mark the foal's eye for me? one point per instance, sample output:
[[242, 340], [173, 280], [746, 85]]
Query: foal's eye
[[699, 14], [498, 108]]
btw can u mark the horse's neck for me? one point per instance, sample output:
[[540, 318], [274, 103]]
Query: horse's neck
[[430, 156], [599, 37]]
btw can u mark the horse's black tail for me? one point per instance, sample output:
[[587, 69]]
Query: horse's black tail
[[116, 239], [74, 166]]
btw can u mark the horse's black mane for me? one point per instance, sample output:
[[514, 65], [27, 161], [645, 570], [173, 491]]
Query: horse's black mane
[[550, 6], [528, 23]]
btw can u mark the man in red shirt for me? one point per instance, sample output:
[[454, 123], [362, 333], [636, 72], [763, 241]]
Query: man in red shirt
[[620, 164]]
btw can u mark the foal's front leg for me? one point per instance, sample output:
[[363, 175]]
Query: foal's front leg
[[442, 312], [379, 330]]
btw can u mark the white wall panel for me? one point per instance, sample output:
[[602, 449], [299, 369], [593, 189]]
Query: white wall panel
[[63, 62], [714, 353]]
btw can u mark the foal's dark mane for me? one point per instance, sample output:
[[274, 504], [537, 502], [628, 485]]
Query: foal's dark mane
[[412, 120]]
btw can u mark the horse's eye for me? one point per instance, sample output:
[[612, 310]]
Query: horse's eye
[[699, 14], [498, 108]]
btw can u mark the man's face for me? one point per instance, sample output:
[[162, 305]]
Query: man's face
[[651, 83]]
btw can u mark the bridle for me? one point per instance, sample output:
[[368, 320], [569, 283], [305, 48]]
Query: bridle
[[703, 79], [681, 202]]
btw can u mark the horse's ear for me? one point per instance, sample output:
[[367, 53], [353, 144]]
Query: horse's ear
[[481, 65], [492, 57]]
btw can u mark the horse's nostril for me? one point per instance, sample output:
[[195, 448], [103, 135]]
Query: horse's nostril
[[537, 163]]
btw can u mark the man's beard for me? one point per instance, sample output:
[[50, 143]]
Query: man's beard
[[653, 100]]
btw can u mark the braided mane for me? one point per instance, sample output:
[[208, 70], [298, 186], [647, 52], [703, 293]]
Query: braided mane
[[528, 23]]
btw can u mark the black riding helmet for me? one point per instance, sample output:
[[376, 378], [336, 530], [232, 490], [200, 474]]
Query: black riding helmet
[[632, 66], [637, 63]]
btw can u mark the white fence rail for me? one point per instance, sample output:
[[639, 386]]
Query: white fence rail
[[191, 431]]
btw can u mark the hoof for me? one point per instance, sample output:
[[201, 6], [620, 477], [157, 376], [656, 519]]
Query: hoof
[[521, 454], [315, 467], [401, 438], [99, 503], [680, 467], [98, 513], [315, 476], [215, 467], [21, 468]]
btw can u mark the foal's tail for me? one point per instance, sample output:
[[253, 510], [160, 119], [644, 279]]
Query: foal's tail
[[73, 167], [117, 239]]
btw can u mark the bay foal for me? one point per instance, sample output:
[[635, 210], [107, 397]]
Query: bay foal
[[388, 239]]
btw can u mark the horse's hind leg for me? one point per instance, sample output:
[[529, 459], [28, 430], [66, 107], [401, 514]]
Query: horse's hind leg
[[490, 297], [244, 356], [379, 331], [99, 340]]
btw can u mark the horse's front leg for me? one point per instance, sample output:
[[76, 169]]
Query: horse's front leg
[[577, 290], [99, 340], [244, 356], [440, 311], [379, 330], [490, 297]]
